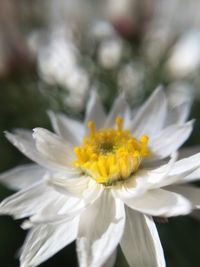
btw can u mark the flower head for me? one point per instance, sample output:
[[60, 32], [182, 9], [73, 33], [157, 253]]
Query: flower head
[[110, 155], [102, 181]]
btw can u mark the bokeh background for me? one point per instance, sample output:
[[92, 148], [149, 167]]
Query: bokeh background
[[54, 52]]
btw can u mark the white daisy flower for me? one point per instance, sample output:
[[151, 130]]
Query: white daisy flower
[[100, 182]]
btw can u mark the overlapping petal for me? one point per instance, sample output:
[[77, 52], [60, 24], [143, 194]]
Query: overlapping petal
[[28, 201], [151, 116], [70, 130], [44, 240], [95, 111], [100, 230], [43, 156], [119, 107], [159, 202], [170, 139], [22, 176], [83, 187], [140, 242]]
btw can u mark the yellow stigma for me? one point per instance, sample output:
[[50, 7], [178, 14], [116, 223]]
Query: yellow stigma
[[110, 155]]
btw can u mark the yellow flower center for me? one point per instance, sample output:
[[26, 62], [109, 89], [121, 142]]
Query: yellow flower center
[[110, 155]]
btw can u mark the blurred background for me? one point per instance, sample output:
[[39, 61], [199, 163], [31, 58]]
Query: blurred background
[[53, 52]]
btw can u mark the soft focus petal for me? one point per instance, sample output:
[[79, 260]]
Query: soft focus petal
[[111, 261], [190, 192], [178, 114], [132, 187], [180, 99], [44, 241], [194, 176], [22, 176], [100, 230], [83, 187], [179, 171], [140, 243], [95, 111], [170, 139], [69, 129], [60, 208], [53, 147], [161, 203], [118, 109], [28, 148], [150, 118], [28, 201]]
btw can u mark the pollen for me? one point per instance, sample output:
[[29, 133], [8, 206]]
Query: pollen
[[111, 155]]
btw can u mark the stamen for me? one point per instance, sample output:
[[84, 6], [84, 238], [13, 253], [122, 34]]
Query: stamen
[[119, 123], [91, 127], [110, 155]]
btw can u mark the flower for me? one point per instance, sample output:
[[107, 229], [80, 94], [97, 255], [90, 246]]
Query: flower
[[102, 184]]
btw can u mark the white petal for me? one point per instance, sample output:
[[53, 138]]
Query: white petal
[[161, 203], [28, 201], [83, 187], [150, 118], [25, 134], [178, 114], [111, 261], [170, 139], [95, 111], [140, 243], [22, 176], [190, 192], [100, 230], [59, 209], [180, 171], [185, 165], [132, 187], [194, 176], [28, 148], [67, 128], [118, 109], [180, 99], [53, 147], [44, 241]]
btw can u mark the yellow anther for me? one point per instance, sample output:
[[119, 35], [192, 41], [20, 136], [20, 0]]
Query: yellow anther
[[119, 123], [91, 127], [144, 139], [109, 155]]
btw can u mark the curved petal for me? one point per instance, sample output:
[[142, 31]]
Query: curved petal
[[69, 129], [180, 171], [159, 202], [53, 147], [188, 191], [111, 261], [118, 109], [60, 209], [22, 176], [180, 99], [140, 242], [150, 118], [28, 201], [100, 230], [186, 165], [28, 148], [83, 187], [44, 241], [170, 139], [132, 187], [95, 111], [178, 114], [194, 176]]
